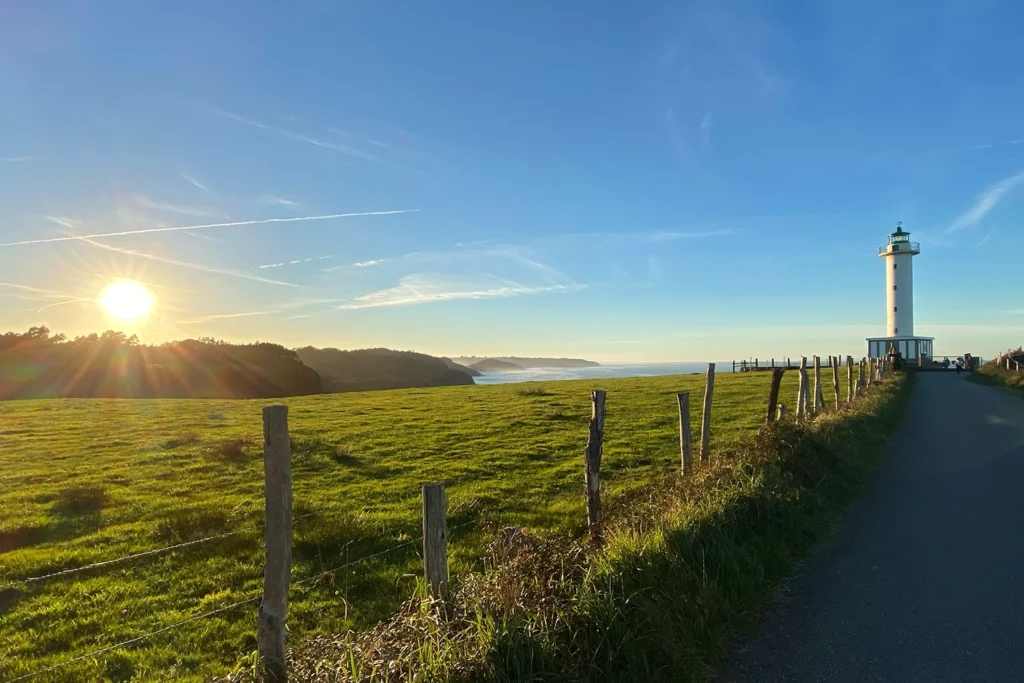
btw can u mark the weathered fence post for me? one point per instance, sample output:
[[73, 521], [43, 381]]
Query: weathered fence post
[[834, 360], [801, 395], [818, 399], [860, 376], [593, 464], [277, 474], [435, 539], [781, 415], [850, 388], [685, 439], [773, 394], [705, 424]]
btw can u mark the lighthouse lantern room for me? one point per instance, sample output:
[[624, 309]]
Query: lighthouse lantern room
[[898, 255]]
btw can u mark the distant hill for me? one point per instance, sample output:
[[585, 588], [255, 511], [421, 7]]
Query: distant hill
[[36, 364], [461, 368], [495, 365], [531, 362], [367, 369]]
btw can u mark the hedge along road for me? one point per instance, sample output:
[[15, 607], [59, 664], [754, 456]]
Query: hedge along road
[[923, 578]]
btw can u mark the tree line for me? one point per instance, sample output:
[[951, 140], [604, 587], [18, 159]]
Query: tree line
[[38, 364]]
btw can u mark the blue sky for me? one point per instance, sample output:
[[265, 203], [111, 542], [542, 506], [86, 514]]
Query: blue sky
[[662, 181]]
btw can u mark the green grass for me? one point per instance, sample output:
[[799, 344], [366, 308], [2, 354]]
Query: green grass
[[84, 481], [991, 375], [687, 566]]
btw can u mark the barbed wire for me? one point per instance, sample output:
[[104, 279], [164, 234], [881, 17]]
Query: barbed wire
[[136, 639], [147, 553]]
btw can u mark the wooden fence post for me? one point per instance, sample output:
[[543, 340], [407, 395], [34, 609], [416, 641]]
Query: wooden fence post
[[705, 424], [801, 395], [593, 464], [435, 539], [834, 360], [685, 439], [277, 474], [819, 402], [781, 415], [773, 394], [850, 388], [860, 376]]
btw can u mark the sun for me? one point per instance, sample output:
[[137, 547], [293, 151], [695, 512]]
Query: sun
[[127, 300]]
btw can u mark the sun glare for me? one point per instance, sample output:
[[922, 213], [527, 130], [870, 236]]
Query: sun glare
[[126, 299]]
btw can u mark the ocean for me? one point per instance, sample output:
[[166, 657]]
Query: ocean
[[603, 371]]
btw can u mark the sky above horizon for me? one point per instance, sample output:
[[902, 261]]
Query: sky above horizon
[[663, 181]]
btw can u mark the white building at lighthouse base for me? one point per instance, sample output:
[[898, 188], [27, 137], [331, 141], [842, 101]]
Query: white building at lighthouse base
[[912, 348]]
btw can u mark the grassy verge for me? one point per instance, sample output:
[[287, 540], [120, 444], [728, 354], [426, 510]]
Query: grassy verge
[[994, 376], [85, 481], [685, 570]]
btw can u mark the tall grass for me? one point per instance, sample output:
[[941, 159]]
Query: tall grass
[[992, 375], [686, 566]]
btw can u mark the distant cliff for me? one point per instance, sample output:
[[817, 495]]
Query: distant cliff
[[461, 368], [367, 369], [530, 362], [495, 365]]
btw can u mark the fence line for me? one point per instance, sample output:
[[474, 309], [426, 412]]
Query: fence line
[[272, 627], [147, 553]]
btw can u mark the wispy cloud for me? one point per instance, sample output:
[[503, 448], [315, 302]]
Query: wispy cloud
[[424, 289], [370, 263], [35, 290], [326, 144], [705, 129], [198, 211], [225, 316], [654, 267], [296, 261], [194, 181], [985, 202], [262, 221], [989, 145], [40, 294], [985, 239], [192, 266], [14, 160], [274, 200], [69, 223]]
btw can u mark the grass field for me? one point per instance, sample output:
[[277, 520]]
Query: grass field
[[83, 481]]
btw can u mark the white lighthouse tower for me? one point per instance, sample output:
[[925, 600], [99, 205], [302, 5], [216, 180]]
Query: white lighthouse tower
[[898, 255]]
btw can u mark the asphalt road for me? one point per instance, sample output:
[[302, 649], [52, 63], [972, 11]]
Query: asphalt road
[[923, 578]]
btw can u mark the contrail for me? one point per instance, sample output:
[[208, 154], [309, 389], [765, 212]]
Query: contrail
[[193, 266], [61, 303], [262, 221]]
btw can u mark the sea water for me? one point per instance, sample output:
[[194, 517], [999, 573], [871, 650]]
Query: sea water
[[605, 370]]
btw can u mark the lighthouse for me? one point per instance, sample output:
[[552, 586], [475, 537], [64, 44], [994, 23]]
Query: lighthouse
[[898, 256]]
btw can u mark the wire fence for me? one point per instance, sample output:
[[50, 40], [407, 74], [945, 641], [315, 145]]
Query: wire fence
[[278, 522], [137, 556], [198, 617]]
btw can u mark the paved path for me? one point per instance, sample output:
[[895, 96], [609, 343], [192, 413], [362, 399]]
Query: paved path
[[923, 579]]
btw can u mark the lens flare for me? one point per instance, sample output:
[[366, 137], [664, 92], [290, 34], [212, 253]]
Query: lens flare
[[127, 300]]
